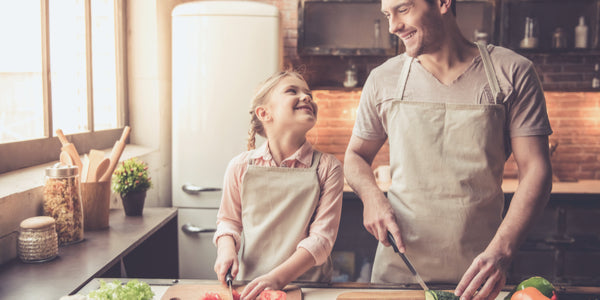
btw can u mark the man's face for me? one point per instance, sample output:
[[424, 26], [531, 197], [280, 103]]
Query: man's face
[[416, 22]]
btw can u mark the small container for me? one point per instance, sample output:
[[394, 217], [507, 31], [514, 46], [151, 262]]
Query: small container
[[581, 34], [38, 241], [559, 39], [596, 79], [62, 201], [530, 35], [351, 79]]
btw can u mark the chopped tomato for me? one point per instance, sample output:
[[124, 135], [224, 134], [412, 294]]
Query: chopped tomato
[[236, 295], [272, 295], [211, 296]]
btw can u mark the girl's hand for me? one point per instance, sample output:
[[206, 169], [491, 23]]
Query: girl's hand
[[226, 258], [256, 286]]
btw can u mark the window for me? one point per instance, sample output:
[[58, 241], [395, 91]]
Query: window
[[61, 67]]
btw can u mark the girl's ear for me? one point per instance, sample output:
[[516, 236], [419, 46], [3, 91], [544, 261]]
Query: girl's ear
[[262, 113]]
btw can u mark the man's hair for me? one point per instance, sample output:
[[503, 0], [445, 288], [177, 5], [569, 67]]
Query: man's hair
[[452, 5]]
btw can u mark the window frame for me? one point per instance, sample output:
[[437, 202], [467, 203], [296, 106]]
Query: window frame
[[27, 153]]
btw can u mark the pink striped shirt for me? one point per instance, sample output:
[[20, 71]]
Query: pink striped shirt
[[324, 227]]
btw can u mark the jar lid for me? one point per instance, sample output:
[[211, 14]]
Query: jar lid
[[37, 222], [59, 170]]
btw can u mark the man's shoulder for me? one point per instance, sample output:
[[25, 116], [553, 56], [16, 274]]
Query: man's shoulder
[[504, 56], [390, 66]]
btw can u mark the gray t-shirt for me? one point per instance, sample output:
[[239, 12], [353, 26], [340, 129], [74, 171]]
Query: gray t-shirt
[[525, 103]]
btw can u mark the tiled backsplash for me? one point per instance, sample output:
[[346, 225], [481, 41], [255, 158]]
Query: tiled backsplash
[[574, 116]]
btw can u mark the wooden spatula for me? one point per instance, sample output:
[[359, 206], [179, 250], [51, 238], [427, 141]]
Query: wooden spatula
[[96, 157], [102, 168]]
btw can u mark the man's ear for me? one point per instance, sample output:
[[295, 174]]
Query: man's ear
[[262, 113], [445, 6]]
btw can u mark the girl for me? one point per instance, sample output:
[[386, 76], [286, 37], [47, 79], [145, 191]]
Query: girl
[[281, 202]]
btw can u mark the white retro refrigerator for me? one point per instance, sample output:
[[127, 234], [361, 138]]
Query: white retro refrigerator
[[221, 51]]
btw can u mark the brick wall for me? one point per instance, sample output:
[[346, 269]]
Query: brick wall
[[574, 116], [565, 71]]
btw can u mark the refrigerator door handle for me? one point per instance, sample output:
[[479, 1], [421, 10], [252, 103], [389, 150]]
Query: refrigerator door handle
[[189, 228], [193, 189]]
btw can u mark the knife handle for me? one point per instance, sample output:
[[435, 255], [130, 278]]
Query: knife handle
[[229, 277], [393, 242]]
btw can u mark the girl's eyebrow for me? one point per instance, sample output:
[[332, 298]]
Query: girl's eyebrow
[[304, 90]]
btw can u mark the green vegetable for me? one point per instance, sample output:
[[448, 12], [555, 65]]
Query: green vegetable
[[440, 295], [133, 290], [540, 283]]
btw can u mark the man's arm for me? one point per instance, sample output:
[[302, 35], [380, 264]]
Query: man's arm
[[378, 215], [488, 270]]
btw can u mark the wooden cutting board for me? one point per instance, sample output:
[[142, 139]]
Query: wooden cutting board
[[196, 291], [382, 295]]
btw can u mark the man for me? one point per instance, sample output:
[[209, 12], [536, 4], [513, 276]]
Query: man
[[453, 112]]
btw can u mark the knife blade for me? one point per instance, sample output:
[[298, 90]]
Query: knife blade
[[229, 280], [407, 262]]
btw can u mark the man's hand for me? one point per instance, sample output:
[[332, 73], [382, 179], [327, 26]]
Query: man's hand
[[487, 271], [378, 214], [379, 218]]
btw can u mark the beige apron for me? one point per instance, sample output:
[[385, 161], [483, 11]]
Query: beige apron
[[278, 205], [447, 163]]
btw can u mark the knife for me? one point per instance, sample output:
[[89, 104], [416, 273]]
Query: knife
[[229, 280], [407, 262]]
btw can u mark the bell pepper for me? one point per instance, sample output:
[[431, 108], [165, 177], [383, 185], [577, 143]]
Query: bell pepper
[[529, 293]]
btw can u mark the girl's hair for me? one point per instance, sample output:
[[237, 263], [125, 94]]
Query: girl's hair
[[260, 98]]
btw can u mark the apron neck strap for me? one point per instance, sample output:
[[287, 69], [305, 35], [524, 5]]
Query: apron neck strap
[[403, 77], [490, 73]]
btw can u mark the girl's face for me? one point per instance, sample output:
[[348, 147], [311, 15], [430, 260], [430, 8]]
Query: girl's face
[[290, 104]]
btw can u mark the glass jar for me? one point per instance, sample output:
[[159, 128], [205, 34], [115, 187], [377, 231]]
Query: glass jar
[[62, 201], [38, 241]]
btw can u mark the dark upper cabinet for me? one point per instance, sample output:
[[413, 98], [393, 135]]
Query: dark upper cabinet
[[344, 28], [553, 20], [357, 27]]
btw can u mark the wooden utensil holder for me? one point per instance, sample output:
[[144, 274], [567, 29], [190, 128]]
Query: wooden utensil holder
[[96, 204]]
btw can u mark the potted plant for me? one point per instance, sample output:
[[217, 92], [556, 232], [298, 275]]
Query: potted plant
[[131, 181]]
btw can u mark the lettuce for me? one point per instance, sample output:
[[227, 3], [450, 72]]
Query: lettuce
[[133, 290]]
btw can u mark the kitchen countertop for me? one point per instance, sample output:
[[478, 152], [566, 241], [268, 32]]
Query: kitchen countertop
[[510, 185], [312, 291], [79, 263]]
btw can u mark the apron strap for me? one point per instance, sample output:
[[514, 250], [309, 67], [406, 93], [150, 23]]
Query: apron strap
[[315, 159], [403, 77], [490, 73]]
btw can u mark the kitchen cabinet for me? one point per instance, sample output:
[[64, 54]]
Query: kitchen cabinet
[[358, 28], [344, 28], [563, 245], [548, 16]]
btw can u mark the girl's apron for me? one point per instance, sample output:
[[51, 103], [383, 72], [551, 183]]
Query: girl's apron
[[278, 205], [447, 162]]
